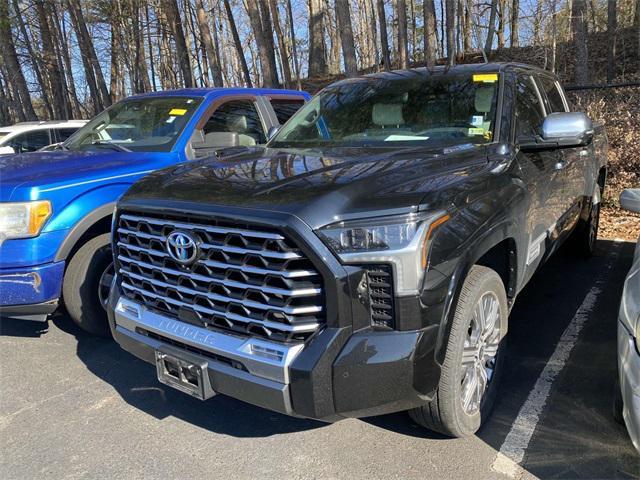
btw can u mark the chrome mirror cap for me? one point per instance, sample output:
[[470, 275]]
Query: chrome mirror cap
[[567, 126]]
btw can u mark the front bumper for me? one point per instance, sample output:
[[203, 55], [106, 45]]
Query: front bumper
[[30, 293], [335, 375], [629, 371]]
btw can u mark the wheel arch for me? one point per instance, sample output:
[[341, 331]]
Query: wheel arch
[[96, 222], [497, 249]]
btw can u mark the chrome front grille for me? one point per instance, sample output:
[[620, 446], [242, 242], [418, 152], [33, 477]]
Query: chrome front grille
[[247, 279]]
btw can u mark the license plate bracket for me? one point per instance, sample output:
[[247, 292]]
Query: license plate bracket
[[184, 372]]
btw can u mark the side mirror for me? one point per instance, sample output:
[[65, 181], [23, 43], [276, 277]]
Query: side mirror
[[630, 199], [273, 131], [568, 129], [218, 140], [6, 150], [561, 130]]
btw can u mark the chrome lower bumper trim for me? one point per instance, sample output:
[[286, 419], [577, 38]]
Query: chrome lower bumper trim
[[261, 358]]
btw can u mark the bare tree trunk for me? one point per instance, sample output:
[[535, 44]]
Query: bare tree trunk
[[317, 53], [492, 27], [115, 72], [384, 38], [430, 33], [269, 75], [9, 59], [537, 25], [150, 47], [238, 44], [205, 34], [87, 49], [451, 29], [515, 24], [554, 35], [172, 14], [578, 27], [467, 26], [51, 66], [267, 29], [331, 25], [64, 46], [502, 11], [294, 47], [343, 14], [282, 43], [35, 64], [403, 39], [612, 25]]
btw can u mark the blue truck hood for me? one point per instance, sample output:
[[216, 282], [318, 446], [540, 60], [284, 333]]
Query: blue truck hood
[[29, 176]]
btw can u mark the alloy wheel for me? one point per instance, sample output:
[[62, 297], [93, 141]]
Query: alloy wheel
[[479, 353]]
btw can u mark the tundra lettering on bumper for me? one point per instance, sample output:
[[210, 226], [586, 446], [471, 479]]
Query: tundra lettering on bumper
[[335, 375]]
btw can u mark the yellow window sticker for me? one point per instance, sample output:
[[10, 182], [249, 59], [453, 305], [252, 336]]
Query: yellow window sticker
[[485, 77], [178, 112], [476, 131]]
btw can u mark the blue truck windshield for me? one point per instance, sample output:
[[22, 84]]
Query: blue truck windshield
[[431, 110], [151, 124]]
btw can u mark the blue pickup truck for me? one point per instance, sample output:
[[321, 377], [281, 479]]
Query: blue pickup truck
[[56, 206]]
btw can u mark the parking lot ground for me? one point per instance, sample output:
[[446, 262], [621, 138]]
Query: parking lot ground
[[76, 406]]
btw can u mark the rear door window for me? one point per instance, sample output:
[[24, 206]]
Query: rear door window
[[529, 110], [285, 108], [554, 101], [241, 117]]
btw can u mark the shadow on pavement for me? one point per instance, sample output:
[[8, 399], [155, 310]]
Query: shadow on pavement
[[575, 437]]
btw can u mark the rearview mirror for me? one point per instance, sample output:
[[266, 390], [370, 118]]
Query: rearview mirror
[[630, 199], [561, 130]]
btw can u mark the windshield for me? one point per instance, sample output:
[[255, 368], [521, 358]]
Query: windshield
[[150, 124], [434, 110], [3, 134]]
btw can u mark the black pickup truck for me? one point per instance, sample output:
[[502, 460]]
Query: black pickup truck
[[365, 261]]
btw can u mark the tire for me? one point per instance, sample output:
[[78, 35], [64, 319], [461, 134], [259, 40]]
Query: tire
[[446, 413], [82, 291], [617, 403], [583, 240]]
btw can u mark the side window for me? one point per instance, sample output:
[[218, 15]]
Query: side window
[[285, 108], [554, 99], [529, 111], [30, 141], [64, 133], [240, 116]]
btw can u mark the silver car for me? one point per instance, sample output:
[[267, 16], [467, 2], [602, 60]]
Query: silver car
[[627, 405]]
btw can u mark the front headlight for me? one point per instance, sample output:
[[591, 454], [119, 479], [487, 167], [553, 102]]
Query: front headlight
[[400, 240], [23, 219]]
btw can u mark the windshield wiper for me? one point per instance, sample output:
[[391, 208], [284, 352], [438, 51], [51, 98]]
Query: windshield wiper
[[115, 146]]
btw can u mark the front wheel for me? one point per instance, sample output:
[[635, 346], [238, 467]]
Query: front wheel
[[473, 362], [86, 285]]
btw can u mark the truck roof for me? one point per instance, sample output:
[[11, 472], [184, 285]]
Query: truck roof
[[210, 92], [456, 69]]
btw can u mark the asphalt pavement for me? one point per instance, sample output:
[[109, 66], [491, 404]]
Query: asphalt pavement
[[76, 406]]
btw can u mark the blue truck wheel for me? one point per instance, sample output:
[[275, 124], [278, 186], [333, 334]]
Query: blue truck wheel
[[87, 275]]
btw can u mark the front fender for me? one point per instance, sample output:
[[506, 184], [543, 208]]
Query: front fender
[[84, 212]]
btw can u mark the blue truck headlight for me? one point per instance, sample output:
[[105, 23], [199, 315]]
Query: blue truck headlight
[[401, 240], [23, 219]]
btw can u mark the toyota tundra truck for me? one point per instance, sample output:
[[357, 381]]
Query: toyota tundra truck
[[366, 259]]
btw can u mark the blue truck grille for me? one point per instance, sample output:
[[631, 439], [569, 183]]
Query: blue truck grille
[[246, 279]]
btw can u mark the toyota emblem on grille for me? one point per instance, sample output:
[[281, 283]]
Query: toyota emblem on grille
[[182, 247]]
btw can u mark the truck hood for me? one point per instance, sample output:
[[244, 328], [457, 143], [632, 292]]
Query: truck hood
[[317, 186], [22, 176]]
